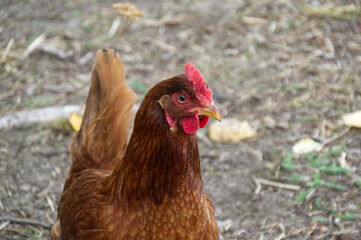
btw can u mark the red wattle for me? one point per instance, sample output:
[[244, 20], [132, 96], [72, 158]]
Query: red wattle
[[203, 121], [190, 124]]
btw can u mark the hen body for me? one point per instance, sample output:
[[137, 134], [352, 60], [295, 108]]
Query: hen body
[[149, 189]]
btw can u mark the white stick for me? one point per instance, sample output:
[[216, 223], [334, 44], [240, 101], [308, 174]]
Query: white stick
[[38, 115], [7, 50], [42, 115], [114, 27], [34, 45], [277, 184]]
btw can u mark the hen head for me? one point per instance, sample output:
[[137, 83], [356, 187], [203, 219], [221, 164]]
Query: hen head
[[189, 103]]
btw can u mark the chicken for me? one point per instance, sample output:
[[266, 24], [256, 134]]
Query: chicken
[[150, 188]]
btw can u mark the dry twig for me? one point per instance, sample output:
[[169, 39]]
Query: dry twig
[[341, 134], [25, 221]]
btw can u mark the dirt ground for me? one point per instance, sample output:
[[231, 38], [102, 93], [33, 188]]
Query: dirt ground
[[289, 68]]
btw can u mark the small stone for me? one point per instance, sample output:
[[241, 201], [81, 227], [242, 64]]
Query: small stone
[[269, 122]]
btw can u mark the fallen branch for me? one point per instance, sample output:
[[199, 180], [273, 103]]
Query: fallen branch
[[25, 221], [277, 184]]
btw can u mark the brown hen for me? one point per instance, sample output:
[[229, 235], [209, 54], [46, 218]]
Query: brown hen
[[150, 188]]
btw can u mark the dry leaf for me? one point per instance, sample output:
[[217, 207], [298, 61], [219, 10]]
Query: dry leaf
[[306, 145], [128, 10], [323, 229], [352, 119], [75, 121], [230, 131]]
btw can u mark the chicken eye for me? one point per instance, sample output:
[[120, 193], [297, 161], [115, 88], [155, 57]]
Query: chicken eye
[[182, 98]]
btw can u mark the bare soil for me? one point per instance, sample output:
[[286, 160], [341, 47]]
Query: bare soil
[[288, 70]]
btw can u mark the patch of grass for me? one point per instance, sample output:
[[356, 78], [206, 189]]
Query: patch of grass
[[57, 146], [88, 28], [68, 5], [287, 162], [324, 207], [289, 87], [26, 126], [88, 46], [335, 151], [334, 170], [335, 186], [323, 104], [343, 109], [349, 216], [302, 195], [38, 101], [139, 87], [248, 55], [322, 164], [320, 219], [61, 125], [296, 179], [350, 79], [30, 232], [305, 119], [357, 183], [290, 23], [76, 12], [33, 37]]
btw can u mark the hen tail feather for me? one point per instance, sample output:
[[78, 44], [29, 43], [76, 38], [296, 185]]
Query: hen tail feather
[[107, 119]]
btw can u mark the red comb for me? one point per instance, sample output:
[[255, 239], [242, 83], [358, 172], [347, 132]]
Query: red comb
[[195, 77]]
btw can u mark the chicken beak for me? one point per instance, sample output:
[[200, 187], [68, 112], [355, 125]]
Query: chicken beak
[[211, 111]]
